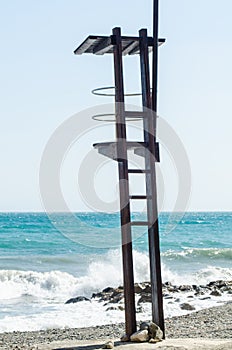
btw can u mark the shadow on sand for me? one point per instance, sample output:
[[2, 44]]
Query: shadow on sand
[[90, 347]]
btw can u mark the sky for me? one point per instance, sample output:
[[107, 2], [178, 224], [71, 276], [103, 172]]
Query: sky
[[43, 84]]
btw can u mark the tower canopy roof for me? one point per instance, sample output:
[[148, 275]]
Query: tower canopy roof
[[99, 45]]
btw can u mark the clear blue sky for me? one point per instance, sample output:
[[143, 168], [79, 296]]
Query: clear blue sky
[[42, 84]]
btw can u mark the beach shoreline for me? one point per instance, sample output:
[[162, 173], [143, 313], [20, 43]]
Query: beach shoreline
[[208, 324]]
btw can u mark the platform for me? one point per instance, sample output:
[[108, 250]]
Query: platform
[[109, 149], [100, 45]]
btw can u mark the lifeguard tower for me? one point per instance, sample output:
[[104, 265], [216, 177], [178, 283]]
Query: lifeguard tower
[[118, 46]]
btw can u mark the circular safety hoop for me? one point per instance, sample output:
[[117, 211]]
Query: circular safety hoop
[[101, 92], [110, 117]]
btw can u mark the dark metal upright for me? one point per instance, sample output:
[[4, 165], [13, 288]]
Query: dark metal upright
[[128, 274], [151, 189], [117, 150]]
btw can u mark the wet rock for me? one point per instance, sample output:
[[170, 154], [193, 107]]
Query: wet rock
[[173, 289], [199, 293], [112, 308], [145, 298], [139, 309], [96, 295], [139, 287], [205, 298], [116, 297], [167, 296], [185, 288], [226, 289], [215, 293], [140, 336], [108, 290], [147, 289], [186, 306], [77, 300], [219, 284]]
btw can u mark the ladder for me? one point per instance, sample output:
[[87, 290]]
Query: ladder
[[119, 46]]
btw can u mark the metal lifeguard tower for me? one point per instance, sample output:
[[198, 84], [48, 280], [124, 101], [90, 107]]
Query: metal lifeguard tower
[[119, 46]]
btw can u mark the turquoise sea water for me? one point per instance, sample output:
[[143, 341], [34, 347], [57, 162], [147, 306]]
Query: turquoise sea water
[[45, 260]]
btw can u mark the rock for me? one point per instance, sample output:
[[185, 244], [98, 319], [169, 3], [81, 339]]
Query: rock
[[76, 300], [218, 284], [173, 289], [111, 308], [144, 326], [138, 288], [154, 331], [226, 289], [96, 295], [145, 298], [167, 284], [108, 345], [140, 336], [205, 298], [147, 289], [185, 288], [215, 293], [115, 308], [186, 306], [199, 293], [156, 340], [125, 338], [108, 290], [139, 309], [168, 296], [159, 334], [115, 298]]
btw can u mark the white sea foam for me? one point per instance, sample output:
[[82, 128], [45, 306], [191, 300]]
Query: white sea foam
[[32, 300]]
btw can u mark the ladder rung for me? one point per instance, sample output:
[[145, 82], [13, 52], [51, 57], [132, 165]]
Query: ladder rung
[[138, 171], [139, 223], [139, 197]]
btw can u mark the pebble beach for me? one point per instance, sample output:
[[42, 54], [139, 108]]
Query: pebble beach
[[213, 323]]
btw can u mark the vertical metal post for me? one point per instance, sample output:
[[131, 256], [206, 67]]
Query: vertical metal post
[[128, 274], [152, 212], [155, 57]]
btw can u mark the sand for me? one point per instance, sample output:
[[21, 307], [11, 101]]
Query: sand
[[206, 329]]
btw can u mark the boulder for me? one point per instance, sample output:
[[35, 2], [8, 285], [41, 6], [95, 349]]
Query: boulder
[[140, 336], [186, 306], [76, 300], [154, 331], [144, 326]]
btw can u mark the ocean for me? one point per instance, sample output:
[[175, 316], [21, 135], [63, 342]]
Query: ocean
[[46, 260]]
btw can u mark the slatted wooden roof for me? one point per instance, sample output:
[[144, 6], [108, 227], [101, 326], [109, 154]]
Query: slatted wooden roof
[[99, 45]]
